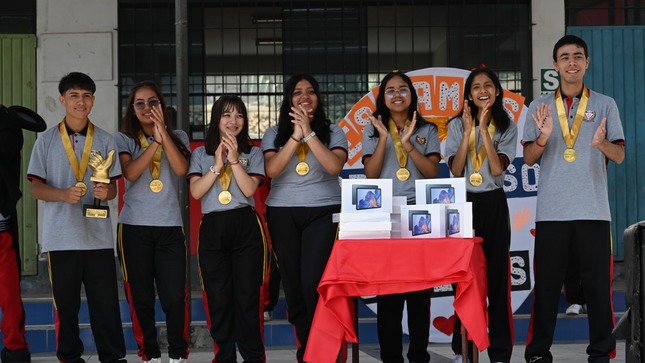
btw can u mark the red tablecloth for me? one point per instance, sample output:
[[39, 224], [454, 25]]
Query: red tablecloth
[[387, 266]]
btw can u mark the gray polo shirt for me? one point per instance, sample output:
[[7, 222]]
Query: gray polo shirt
[[425, 139], [578, 190], [143, 207], [316, 189], [64, 225], [505, 143], [200, 163]]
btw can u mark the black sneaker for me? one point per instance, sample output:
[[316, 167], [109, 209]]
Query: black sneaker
[[15, 356]]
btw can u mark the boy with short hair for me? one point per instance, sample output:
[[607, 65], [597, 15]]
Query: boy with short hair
[[79, 249]]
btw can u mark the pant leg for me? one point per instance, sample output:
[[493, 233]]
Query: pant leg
[[170, 279], [491, 222], [593, 249], [215, 266], [248, 263], [274, 284], [136, 247], [552, 248], [572, 283], [99, 279], [65, 274], [418, 303], [13, 313], [388, 323]]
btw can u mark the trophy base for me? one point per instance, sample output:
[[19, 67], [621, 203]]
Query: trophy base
[[91, 211]]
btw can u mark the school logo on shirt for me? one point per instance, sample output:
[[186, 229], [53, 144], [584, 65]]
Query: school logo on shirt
[[589, 115], [421, 140], [244, 162]]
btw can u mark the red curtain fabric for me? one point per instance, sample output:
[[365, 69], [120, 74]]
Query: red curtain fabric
[[387, 266]]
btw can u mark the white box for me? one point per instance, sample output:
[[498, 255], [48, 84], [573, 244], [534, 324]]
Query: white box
[[459, 220], [365, 226], [364, 235], [440, 191], [360, 217], [414, 221], [366, 196]]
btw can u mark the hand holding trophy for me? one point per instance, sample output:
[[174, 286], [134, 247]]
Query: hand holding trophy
[[101, 168]]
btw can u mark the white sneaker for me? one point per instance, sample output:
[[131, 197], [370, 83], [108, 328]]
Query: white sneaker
[[268, 315], [576, 309], [153, 360], [457, 359], [180, 360]]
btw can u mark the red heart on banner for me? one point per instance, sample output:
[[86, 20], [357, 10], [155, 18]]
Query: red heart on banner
[[533, 231], [444, 325]]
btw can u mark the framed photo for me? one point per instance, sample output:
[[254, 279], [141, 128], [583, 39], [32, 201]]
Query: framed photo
[[440, 194], [419, 222], [367, 197], [453, 223]]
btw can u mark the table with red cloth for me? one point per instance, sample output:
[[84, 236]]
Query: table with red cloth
[[388, 266]]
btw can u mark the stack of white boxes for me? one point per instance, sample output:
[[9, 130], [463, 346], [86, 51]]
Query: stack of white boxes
[[395, 217], [366, 209]]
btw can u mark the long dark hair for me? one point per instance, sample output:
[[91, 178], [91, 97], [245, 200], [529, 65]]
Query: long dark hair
[[381, 107], [213, 137], [320, 124], [131, 126], [501, 117]]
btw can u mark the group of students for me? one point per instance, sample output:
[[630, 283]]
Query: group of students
[[304, 155]]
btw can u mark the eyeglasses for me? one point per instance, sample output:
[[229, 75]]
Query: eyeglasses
[[141, 105], [403, 92]]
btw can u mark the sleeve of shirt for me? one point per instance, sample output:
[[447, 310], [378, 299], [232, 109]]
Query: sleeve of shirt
[[453, 140], [256, 162], [269, 139], [614, 125], [369, 142], [508, 142], [115, 169], [37, 163], [195, 167], [338, 139], [433, 145], [183, 137], [123, 143], [531, 132]]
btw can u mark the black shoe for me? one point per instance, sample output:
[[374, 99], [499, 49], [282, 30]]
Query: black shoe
[[15, 356]]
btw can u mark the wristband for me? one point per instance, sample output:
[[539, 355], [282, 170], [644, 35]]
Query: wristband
[[306, 138], [294, 139], [213, 170], [156, 141], [234, 162], [538, 143]]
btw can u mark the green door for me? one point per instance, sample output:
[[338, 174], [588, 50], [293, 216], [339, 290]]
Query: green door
[[18, 87]]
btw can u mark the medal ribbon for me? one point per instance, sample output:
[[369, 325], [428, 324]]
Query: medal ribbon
[[78, 169], [226, 177], [302, 149], [478, 159], [155, 163], [570, 136], [401, 154]]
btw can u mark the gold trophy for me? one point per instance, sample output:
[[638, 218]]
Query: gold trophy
[[101, 169]]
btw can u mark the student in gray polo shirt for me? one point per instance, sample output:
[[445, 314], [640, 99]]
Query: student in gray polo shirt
[[573, 133], [80, 250], [400, 145], [150, 238], [480, 146], [224, 174], [303, 154]]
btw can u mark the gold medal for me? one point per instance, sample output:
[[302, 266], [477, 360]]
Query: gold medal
[[403, 174], [82, 185], [570, 155], [156, 185], [225, 197], [302, 168], [476, 179]]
